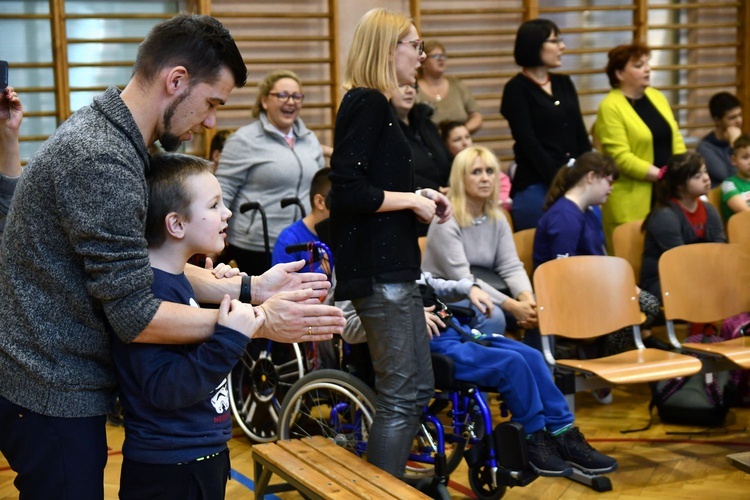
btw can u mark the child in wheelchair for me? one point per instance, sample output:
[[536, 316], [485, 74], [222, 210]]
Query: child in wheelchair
[[520, 375], [487, 359], [518, 372]]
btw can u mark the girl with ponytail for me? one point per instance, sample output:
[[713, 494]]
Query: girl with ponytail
[[570, 225], [679, 216]]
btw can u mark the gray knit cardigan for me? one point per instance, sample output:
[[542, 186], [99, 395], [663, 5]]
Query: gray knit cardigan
[[74, 263]]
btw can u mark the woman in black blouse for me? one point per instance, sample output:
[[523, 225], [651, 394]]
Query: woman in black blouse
[[374, 216], [432, 163], [544, 117]]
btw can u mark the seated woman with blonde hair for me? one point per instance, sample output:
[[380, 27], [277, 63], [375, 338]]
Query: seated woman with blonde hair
[[479, 235]]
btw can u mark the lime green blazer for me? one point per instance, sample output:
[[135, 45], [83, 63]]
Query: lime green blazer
[[628, 140]]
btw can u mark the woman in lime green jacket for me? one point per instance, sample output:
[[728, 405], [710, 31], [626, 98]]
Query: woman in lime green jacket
[[635, 126]]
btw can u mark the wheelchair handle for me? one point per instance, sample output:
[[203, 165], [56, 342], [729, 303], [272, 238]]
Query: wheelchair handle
[[285, 202], [255, 205]]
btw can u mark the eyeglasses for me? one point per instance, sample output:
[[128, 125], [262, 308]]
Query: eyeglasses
[[417, 44], [557, 41], [438, 57], [285, 96]]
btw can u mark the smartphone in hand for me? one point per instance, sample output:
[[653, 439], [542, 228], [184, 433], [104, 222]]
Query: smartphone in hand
[[3, 75]]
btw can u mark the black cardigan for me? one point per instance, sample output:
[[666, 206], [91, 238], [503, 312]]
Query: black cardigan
[[548, 129], [432, 162], [370, 155]]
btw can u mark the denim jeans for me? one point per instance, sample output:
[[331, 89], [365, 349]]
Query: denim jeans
[[393, 318], [527, 206]]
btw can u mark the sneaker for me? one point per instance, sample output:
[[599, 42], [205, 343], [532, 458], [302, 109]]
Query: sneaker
[[543, 456], [603, 395], [573, 447]]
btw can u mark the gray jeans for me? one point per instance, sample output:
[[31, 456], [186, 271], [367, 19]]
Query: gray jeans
[[393, 318]]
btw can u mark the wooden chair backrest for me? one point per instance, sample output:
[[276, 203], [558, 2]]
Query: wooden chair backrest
[[509, 217], [705, 282], [627, 242], [585, 296], [738, 229], [714, 198], [524, 241], [422, 240]]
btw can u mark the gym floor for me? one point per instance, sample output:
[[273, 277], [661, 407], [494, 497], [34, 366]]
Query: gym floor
[[653, 464]]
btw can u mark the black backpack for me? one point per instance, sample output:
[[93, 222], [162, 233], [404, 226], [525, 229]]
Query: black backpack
[[701, 400]]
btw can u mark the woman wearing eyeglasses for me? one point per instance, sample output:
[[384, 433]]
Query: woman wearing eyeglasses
[[571, 227], [544, 117], [274, 157], [374, 215], [449, 97]]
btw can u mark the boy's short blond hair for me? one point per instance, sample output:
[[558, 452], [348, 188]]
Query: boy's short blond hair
[[371, 60]]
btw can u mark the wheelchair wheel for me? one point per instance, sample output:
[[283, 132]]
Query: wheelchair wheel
[[258, 383], [421, 459], [329, 403], [480, 480]]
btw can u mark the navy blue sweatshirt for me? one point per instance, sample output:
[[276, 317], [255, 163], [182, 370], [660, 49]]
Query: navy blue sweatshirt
[[175, 397]]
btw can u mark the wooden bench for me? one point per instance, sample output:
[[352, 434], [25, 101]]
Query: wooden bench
[[318, 469]]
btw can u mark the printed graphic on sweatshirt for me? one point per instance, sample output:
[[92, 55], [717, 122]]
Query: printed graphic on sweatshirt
[[220, 399]]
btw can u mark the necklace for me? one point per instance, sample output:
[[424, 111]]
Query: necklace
[[433, 88], [478, 221], [542, 84]]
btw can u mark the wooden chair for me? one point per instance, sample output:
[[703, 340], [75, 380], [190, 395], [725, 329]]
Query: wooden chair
[[422, 240], [584, 297], [738, 229], [524, 241], [705, 283], [714, 198], [509, 217], [627, 242]]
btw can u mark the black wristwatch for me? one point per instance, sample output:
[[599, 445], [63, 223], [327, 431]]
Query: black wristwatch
[[245, 293]]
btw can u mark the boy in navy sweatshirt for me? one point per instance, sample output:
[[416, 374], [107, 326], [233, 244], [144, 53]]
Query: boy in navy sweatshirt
[[175, 397]]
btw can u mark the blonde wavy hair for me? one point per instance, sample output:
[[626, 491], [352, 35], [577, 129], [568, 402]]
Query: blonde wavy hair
[[267, 83], [371, 56], [462, 164]]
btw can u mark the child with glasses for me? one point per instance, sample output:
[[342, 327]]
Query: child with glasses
[[570, 225]]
